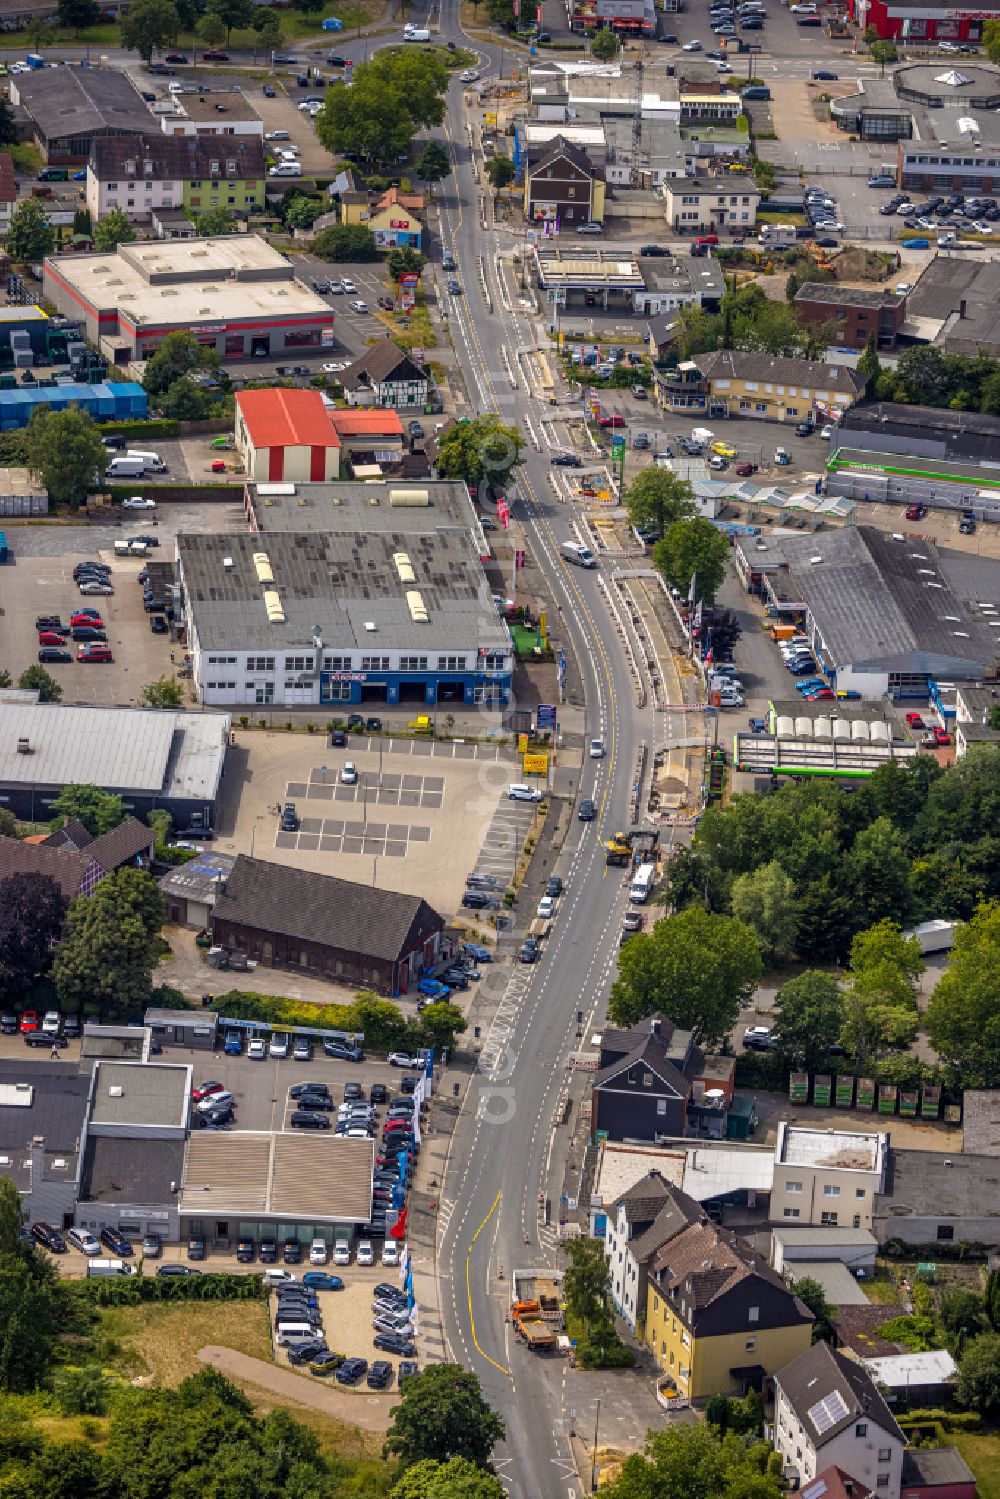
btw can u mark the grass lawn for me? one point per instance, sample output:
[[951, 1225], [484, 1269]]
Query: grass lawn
[[162, 1339], [981, 1450], [419, 335], [27, 159], [882, 1288]]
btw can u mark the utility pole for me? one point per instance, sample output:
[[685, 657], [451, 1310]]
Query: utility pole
[[593, 1465]]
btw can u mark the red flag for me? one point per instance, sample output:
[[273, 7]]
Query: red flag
[[398, 1229]]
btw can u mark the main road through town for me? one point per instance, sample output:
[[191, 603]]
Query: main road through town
[[505, 1154]]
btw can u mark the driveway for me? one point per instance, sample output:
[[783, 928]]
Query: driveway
[[368, 1411]]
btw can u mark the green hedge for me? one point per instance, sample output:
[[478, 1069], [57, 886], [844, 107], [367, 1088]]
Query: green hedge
[[130, 1290], [154, 427], [950, 1420], [192, 492]]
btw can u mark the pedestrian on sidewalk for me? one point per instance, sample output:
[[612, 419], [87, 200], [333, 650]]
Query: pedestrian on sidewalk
[[54, 1052]]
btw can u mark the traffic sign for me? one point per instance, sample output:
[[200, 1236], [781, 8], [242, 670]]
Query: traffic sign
[[545, 715]]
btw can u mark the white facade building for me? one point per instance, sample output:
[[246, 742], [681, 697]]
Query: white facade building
[[827, 1177]]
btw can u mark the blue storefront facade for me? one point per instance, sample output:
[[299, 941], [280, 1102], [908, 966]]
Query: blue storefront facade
[[428, 687]]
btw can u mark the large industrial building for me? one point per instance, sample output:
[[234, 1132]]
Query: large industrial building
[[235, 293], [360, 616], [150, 757], [886, 615], [433, 507]]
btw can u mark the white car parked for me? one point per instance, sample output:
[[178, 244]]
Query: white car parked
[[138, 502], [318, 1252], [518, 792], [256, 1050], [366, 1254]]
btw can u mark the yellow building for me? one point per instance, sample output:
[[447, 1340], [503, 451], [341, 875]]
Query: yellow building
[[777, 388], [718, 1318]]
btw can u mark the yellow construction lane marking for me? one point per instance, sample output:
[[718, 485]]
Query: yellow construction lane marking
[[468, 1288]]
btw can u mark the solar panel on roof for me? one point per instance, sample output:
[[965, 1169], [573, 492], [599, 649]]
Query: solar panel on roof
[[815, 1490], [827, 1412]]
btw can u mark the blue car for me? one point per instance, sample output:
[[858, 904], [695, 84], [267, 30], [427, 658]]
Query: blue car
[[916, 244], [319, 1280], [234, 1044], [801, 668], [479, 953], [433, 989], [809, 685], [80, 176]]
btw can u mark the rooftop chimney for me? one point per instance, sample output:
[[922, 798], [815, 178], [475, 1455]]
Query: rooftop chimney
[[961, 308]]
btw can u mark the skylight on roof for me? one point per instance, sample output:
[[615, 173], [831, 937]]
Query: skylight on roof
[[953, 79]]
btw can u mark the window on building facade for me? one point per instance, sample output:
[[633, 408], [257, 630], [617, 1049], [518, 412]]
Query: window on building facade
[[495, 661], [945, 1233], [260, 663], [829, 1191], [861, 1429], [793, 1186], [828, 1220], [451, 663], [792, 1213], [298, 663], [222, 660], [413, 663], [374, 663]]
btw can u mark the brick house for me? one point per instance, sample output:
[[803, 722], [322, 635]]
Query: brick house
[[855, 311], [562, 186]]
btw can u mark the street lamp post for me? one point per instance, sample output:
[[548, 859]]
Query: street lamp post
[[593, 1464]]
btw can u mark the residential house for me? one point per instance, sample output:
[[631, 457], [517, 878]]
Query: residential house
[[562, 187], [829, 1178], [316, 923], [774, 388], [223, 112], [384, 376], [828, 1411], [146, 174], [853, 313], [76, 860], [351, 196], [672, 283], [395, 220], [637, 1226], [372, 436], [718, 1319], [700, 205], [640, 1091], [286, 435], [8, 190], [661, 331]]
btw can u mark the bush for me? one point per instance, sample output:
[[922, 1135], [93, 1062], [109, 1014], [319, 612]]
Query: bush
[[154, 427], [950, 1420], [135, 1289], [603, 1349]]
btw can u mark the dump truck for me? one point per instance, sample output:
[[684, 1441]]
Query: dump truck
[[530, 1326], [638, 845]]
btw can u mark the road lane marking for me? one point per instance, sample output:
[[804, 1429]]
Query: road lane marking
[[468, 1290]]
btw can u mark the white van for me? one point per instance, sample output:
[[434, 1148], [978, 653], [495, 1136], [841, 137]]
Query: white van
[[285, 169], [290, 1333], [125, 468], [106, 1268], [581, 555], [153, 461], [642, 884], [418, 34]]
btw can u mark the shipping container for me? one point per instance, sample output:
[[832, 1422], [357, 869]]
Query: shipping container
[[822, 1090], [865, 1098], [798, 1087], [887, 1098], [930, 1101], [845, 1091]]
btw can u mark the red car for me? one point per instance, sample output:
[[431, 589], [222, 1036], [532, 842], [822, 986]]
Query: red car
[[49, 637], [821, 692], [746, 469], [612, 421], [915, 721], [212, 56], [205, 1089], [941, 736], [29, 1021], [916, 512], [218, 465], [100, 653], [94, 620]]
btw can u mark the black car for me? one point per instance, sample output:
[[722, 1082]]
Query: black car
[[196, 1250], [380, 1375], [343, 1051], [408, 1084], [379, 1093], [53, 653], [338, 739], [373, 725], [311, 1101], [653, 250], [116, 1242], [566, 460], [804, 429], [72, 1025], [553, 885], [291, 1252], [245, 1251], [354, 1092], [298, 1089], [40, 1038], [8, 1023], [586, 810], [306, 1119], [352, 1371], [476, 900], [44, 1233], [158, 624], [268, 1251], [967, 526], [408, 1369], [304, 1353], [50, 622], [89, 632], [394, 1342], [115, 441], [355, 720], [529, 951], [176, 1270]]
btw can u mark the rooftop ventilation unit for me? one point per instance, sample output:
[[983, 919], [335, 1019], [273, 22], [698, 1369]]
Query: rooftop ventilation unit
[[272, 603], [262, 563], [418, 609], [24, 747], [116, 1092], [228, 564], [404, 567]]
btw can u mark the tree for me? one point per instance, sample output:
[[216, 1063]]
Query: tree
[[65, 451], [978, 1385], [187, 402], [40, 34], [165, 692], [418, 74], [483, 448], [83, 223], [404, 261], [586, 1281], [211, 29], [381, 1022], [991, 40], [149, 26], [215, 221], [878, 873], [991, 1299], [963, 1022], [809, 1018], [501, 171], [111, 944], [372, 119], [5, 678], [698, 968], [433, 164], [812, 1294], [694, 1460], [302, 212], [764, 898], [605, 45], [925, 376], [232, 13], [961, 1315], [458, 1479], [885, 943], [113, 230], [30, 236], [37, 679], [883, 53], [693, 549], [442, 1414], [442, 1023], [880, 1012], [12, 1219], [869, 364], [32, 911], [179, 354], [98, 810], [657, 499], [76, 15], [267, 24], [345, 242], [30, 1318]]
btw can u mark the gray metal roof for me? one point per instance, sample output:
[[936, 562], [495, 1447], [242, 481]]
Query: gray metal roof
[[885, 603], [79, 101], [200, 878], [355, 506], [127, 1093], [839, 1285], [55, 1108], [339, 584], [318, 1178], [123, 1169]]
